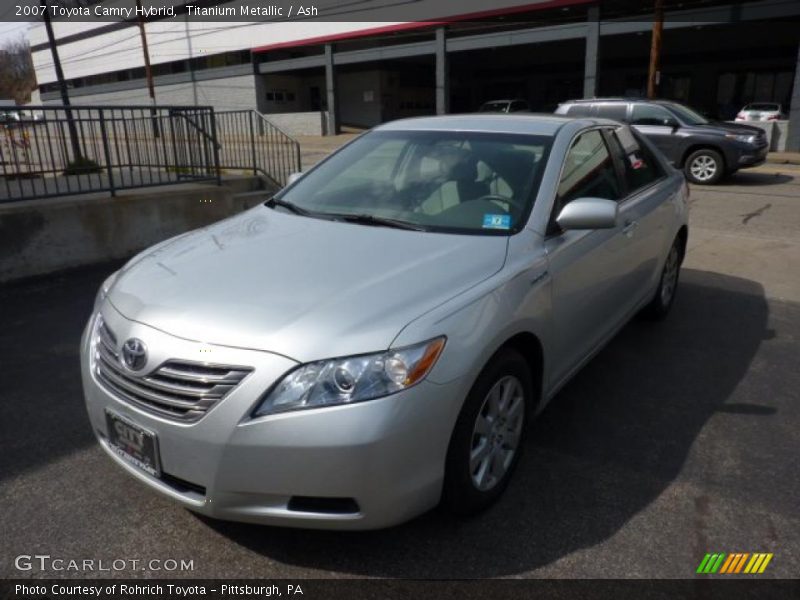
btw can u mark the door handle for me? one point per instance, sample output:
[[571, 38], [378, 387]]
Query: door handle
[[630, 227]]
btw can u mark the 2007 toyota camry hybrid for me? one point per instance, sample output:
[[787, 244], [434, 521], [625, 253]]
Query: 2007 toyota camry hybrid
[[374, 339]]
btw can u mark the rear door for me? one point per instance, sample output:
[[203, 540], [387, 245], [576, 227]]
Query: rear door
[[644, 210]]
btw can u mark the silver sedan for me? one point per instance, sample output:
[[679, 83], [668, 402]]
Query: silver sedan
[[374, 339]]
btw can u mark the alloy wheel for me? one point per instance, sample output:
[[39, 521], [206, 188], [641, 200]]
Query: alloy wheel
[[669, 279], [703, 167], [496, 434]]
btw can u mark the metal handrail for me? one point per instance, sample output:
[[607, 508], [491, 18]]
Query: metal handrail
[[98, 148], [250, 141], [65, 150]]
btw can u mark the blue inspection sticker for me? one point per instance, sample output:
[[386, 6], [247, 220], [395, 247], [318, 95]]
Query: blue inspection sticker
[[497, 221]]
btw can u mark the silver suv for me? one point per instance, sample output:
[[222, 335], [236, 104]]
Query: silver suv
[[375, 339]]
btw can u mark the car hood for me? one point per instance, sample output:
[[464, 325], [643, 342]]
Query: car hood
[[301, 287], [721, 128]]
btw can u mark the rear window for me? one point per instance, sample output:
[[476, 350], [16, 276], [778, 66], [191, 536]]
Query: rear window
[[612, 111], [761, 107], [494, 107], [580, 110]]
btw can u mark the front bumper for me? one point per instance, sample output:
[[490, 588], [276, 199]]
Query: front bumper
[[753, 158], [386, 455], [739, 155]]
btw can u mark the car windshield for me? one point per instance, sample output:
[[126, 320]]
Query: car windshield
[[446, 181], [687, 115], [772, 107]]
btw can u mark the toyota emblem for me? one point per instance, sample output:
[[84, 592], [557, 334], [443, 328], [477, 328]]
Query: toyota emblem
[[134, 354]]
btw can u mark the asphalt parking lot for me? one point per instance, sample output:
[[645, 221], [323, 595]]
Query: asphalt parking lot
[[680, 438]]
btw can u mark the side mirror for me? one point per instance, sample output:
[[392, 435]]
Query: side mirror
[[588, 213], [293, 177], [671, 123]]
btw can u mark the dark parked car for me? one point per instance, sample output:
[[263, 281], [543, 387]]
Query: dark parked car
[[706, 150], [504, 106]]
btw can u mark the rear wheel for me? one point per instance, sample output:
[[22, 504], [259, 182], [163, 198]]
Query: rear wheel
[[704, 166], [487, 439], [668, 284]]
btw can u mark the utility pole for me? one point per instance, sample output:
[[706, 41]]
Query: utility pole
[[191, 66], [654, 72], [148, 71], [62, 84]]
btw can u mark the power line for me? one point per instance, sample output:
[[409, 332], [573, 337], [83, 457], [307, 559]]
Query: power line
[[91, 54]]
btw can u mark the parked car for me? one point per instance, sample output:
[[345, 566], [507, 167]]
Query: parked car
[[30, 116], [9, 117], [761, 111], [706, 150], [504, 106], [375, 338]]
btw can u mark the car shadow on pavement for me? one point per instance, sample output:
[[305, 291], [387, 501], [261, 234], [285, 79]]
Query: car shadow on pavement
[[749, 178], [608, 445], [42, 414]]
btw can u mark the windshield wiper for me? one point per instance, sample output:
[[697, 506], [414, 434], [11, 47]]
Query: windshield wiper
[[380, 221], [273, 202]]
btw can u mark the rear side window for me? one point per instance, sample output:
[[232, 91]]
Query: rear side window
[[639, 165], [580, 110], [617, 112]]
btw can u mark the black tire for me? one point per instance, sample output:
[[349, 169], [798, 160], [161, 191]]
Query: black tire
[[662, 301], [704, 167], [461, 494]]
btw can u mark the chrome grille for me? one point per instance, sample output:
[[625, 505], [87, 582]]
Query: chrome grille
[[178, 389]]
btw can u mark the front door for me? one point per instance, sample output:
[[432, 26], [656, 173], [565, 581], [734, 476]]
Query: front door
[[660, 126], [589, 268]]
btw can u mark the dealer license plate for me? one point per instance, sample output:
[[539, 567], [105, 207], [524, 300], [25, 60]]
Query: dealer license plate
[[133, 443]]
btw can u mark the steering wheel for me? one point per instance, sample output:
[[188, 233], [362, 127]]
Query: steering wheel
[[510, 201]]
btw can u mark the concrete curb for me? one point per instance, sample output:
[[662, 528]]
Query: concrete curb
[[783, 158]]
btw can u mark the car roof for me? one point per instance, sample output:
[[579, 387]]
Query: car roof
[[530, 123], [618, 99]]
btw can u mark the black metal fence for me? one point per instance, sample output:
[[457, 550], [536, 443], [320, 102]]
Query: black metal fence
[[249, 141], [57, 151]]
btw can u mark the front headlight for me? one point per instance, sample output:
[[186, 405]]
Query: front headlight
[[104, 289], [352, 379], [746, 138]]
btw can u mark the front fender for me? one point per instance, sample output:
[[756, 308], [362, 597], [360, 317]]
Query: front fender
[[477, 323]]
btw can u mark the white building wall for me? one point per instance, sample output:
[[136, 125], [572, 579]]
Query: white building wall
[[231, 93], [181, 38]]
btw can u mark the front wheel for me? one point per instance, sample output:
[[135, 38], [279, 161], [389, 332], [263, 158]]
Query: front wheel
[[704, 167], [668, 284], [487, 439]]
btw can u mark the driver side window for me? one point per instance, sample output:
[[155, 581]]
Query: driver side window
[[647, 114], [588, 172]]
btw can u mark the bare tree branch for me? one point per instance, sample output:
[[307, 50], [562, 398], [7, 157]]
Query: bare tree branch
[[17, 75]]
